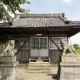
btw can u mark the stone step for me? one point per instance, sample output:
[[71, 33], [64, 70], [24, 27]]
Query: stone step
[[39, 62], [38, 71], [39, 65], [39, 68]]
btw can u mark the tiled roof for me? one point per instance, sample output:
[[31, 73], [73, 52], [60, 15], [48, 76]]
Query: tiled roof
[[40, 20], [74, 23]]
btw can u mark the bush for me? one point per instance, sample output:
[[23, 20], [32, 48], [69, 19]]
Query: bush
[[76, 46]]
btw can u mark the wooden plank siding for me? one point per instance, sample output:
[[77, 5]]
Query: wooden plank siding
[[25, 52], [23, 56], [55, 56], [55, 51]]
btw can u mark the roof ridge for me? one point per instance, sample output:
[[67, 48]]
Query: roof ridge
[[41, 15]]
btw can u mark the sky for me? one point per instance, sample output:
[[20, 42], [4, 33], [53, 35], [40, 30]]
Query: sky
[[71, 8]]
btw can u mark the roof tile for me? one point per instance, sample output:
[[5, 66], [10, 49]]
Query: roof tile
[[39, 20]]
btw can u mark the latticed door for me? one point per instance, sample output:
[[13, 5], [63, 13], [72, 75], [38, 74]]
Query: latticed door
[[39, 47]]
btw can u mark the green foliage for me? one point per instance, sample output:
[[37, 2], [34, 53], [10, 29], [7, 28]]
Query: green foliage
[[78, 52], [4, 14], [76, 46], [12, 6]]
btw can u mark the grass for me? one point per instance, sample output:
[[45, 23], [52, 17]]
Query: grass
[[78, 52]]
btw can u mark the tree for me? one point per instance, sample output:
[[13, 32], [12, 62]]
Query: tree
[[76, 46], [12, 6]]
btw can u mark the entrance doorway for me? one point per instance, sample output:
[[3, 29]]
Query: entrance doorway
[[39, 48]]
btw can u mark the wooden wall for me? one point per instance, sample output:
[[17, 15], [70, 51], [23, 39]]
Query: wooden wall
[[24, 54], [55, 56]]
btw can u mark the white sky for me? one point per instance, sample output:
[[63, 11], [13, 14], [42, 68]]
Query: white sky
[[67, 1], [75, 39]]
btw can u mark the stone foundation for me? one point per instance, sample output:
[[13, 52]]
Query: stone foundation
[[70, 71], [69, 68], [7, 68], [69, 58]]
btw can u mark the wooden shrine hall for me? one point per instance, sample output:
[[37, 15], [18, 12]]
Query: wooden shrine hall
[[38, 36]]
